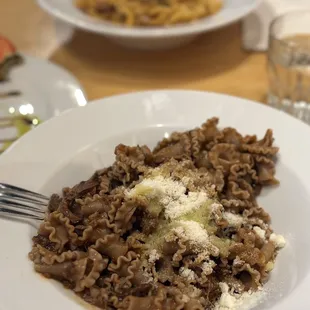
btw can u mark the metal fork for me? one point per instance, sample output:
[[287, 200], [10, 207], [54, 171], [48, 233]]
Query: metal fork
[[19, 203]]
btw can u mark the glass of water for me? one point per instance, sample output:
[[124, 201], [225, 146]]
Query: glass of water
[[289, 64]]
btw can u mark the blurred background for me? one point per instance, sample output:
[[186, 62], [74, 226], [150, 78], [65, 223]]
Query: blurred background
[[216, 61], [58, 54]]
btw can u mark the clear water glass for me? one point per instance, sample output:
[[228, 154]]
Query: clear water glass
[[289, 64]]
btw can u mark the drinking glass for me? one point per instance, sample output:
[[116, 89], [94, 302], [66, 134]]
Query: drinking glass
[[289, 64]]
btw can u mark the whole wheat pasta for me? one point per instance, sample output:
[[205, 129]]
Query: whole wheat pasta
[[164, 229]]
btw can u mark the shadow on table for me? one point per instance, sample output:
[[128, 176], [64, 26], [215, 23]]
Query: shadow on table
[[210, 55]]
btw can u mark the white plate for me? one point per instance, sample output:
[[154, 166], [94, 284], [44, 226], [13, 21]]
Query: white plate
[[48, 88], [69, 148], [46, 91], [149, 38]]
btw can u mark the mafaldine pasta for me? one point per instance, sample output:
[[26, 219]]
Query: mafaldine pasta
[[173, 228]]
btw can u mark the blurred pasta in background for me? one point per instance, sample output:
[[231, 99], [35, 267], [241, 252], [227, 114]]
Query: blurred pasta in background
[[149, 12]]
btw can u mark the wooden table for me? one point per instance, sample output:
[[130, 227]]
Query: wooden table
[[214, 62]]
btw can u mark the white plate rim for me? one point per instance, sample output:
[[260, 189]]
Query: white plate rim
[[8, 159], [200, 26]]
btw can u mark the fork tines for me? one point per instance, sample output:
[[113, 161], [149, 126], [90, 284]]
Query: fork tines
[[19, 202], [21, 192]]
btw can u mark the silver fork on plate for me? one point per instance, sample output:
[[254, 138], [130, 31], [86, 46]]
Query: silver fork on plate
[[19, 203]]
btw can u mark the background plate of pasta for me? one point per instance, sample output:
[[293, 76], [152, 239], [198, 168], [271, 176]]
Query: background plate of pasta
[[179, 201], [149, 24]]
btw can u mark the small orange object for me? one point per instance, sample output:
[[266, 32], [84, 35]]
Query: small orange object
[[7, 49], [8, 57]]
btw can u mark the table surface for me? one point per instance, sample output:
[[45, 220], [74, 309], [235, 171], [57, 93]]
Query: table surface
[[214, 62]]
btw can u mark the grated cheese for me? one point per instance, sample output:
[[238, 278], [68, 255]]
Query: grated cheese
[[153, 256], [171, 195], [278, 240], [193, 231], [234, 220], [160, 186], [196, 235], [260, 232], [226, 300], [148, 277], [187, 273], [217, 211], [207, 267], [233, 301]]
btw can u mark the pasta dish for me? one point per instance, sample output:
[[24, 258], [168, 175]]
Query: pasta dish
[[174, 228], [149, 12]]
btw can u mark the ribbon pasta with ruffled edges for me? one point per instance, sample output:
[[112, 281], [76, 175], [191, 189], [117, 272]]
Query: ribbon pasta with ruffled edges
[[118, 251]]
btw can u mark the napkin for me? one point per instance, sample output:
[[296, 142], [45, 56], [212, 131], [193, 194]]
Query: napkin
[[255, 27]]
